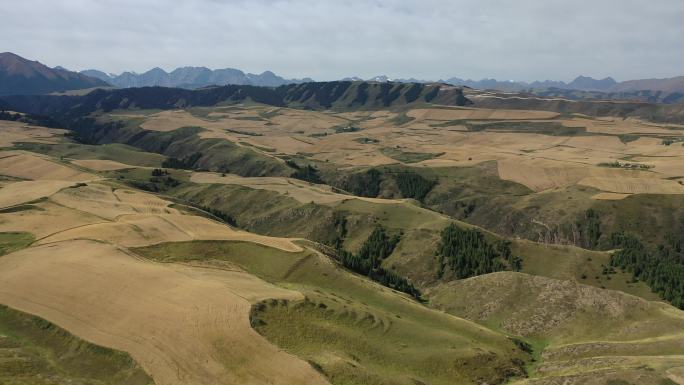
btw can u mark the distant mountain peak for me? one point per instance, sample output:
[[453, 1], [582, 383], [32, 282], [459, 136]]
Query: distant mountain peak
[[590, 84], [380, 78], [156, 71]]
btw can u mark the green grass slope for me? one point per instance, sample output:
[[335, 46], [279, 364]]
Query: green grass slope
[[14, 241], [577, 330], [356, 331], [270, 213], [36, 352], [115, 151]]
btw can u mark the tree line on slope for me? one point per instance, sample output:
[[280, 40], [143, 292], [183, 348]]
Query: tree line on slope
[[662, 269], [412, 185], [369, 259], [368, 183], [467, 253], [307, 173]]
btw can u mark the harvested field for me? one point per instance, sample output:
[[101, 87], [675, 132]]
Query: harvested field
[[206, 229], [128, 230], [15, 132], [31, 166], [633, 185], [133, 218], [541, 174], [171, 120], [605, 196], [236, 122], [667, 166], [101, 165], [45, 218], [27, 191], [463, 113], [107, 202], [183, 325]]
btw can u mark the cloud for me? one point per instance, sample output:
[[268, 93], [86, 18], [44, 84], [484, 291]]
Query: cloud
[[324, 39]]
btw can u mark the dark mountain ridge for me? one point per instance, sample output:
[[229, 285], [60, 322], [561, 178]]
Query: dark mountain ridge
[[19, 76], [337, 95], [321, 95]]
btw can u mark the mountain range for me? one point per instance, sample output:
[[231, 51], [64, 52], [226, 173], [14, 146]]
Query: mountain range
[[668, 90], [581, 83], [19, 76], [192, 77]]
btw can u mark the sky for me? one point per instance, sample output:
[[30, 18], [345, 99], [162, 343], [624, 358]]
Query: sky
[[330, 39]]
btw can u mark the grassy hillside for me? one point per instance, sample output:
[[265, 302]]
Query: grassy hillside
[[580, 265], [34, 351], [351, 221], [184, 147], [356, 331], [115, 151], [266, 212], [574, 328]]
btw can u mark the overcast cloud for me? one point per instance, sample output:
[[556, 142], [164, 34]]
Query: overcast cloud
[[429, 39]]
